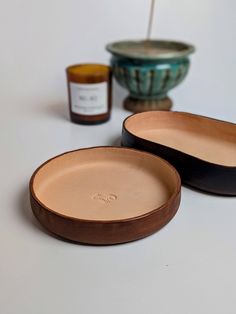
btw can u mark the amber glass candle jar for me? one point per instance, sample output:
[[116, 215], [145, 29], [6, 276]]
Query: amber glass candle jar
[[90, 93]]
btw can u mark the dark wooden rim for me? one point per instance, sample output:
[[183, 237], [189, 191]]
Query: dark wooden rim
[[176, 150], [170, 200]]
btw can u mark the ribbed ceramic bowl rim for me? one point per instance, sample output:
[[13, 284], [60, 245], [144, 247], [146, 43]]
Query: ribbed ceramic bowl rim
[[111, 47]]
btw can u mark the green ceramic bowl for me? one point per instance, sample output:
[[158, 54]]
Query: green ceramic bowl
[[149, 69]]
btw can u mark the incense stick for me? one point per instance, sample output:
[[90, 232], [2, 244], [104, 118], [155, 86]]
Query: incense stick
[[150, 22]]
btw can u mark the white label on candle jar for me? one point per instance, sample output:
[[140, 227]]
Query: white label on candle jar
[[89, 99]]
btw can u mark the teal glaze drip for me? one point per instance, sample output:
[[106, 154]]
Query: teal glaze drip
[[149, 79]]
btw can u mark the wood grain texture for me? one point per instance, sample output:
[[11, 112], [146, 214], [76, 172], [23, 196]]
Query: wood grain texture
[[104, 232]]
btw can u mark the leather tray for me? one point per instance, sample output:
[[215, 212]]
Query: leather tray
[[203, 150], [105, 195]]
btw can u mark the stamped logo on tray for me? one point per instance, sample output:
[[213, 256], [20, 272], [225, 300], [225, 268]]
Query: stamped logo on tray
[[104, 198]]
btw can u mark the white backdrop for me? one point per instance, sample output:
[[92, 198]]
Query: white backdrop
[[40, 38], [188, 266]]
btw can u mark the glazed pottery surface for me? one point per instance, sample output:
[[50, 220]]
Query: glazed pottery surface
[[105, 195], [149, 69], [202, 149]]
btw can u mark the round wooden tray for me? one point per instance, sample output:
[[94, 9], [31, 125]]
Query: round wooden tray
[[105, 195]]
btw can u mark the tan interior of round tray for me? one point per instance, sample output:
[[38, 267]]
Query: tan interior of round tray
[[105, 183], [208, 139]]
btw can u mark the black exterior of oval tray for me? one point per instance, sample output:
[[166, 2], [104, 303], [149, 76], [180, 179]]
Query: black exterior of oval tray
[[195, 172]]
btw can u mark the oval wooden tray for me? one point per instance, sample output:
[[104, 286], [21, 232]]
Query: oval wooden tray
[[202, 149], [105, 195]]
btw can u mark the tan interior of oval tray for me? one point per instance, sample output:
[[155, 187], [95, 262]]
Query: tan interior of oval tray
[[104, 184], [210, 140]]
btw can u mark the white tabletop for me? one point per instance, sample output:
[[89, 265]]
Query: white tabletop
[[188, 266]]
